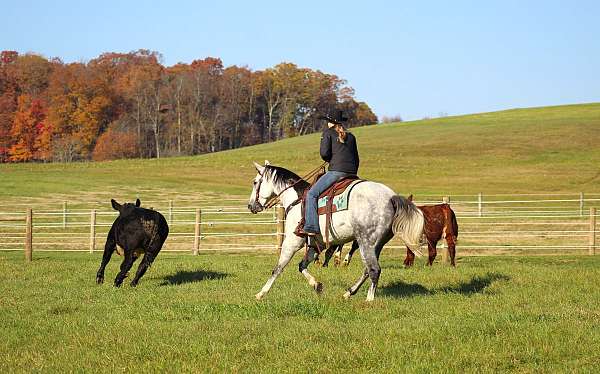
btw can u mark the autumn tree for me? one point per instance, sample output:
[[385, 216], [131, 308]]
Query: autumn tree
[[50, 110], [29, 132]]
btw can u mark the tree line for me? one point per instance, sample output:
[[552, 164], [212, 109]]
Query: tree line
[[128, 105]]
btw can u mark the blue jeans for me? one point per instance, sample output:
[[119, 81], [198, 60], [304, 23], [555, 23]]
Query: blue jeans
[[311, 223]]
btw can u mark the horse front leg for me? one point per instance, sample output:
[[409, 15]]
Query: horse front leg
[[351, 253], [328, 253], [289, 247], [303, 269]]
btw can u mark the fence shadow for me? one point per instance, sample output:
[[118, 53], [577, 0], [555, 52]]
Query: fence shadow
[[183, 276], [476, 284]]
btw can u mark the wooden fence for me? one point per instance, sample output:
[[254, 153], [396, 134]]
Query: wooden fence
[[515, 224]]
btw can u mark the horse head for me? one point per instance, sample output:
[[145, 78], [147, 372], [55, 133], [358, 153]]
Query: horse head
[[262, 188]]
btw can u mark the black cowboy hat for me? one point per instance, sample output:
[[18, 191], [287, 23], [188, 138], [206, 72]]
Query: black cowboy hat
[[338, 120]]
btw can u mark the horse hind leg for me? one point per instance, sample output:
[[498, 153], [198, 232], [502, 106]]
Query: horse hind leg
[[356, 286], [370, 256]]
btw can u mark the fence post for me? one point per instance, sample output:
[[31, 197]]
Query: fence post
[[479, 204], [64, 214], [592, 249], [280, 227], [581, 202], [92, 230], [197, 231], [170, 212], [29, 235]]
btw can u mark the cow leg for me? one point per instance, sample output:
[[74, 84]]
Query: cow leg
[[109, 249], [431, 246], [125, 266], [451, 241], [410, 258], [144, 265]]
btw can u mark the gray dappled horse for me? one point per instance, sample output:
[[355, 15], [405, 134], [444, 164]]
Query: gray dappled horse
[[374, 215]]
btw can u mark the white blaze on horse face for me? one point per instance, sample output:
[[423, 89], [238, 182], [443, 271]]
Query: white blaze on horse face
[[253, 193]]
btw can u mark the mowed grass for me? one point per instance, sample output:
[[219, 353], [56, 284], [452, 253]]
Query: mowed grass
[[548, 149], [194, 314]]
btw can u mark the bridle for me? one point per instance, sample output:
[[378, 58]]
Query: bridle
[[273, 200]]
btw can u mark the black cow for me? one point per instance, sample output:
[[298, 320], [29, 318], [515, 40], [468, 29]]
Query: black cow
[[136, 230]]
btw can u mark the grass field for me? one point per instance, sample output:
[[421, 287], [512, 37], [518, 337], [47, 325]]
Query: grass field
[[526, 314], [198, 314]]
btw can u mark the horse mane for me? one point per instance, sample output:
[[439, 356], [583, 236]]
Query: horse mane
[[283, 177]]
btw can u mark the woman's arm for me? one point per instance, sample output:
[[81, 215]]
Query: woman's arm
[[326, 146]]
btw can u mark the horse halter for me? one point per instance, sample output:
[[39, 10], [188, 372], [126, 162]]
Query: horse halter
[[257, 196]]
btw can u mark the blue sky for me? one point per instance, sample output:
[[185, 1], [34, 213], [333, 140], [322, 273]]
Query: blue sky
[[402, 58]]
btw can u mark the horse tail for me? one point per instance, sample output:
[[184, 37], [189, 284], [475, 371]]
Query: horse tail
[[408, 222]]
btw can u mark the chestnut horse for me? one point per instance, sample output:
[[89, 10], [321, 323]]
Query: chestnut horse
[[440, 222]]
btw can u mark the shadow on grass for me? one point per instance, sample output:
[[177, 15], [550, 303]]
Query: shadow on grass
[[182, 277], [477, 284]]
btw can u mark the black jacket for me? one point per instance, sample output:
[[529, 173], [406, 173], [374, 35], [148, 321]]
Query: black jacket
[[341, 156]]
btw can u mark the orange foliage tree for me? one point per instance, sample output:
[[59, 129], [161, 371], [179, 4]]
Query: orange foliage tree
[[54, 111], [114, 144], [28, 130]]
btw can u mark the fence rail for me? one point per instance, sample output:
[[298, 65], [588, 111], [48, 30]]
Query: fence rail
[[488, 224]]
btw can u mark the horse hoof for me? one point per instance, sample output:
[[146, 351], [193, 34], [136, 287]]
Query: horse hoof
[[259, 296], [99, 280], [369, 299], [347, 295], [319, 287]]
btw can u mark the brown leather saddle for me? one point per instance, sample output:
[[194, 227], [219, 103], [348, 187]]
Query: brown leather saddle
[[335, 189]]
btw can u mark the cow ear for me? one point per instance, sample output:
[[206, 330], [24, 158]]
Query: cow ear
[[259, 168], [410, 198], [138, 202], [116, 206]]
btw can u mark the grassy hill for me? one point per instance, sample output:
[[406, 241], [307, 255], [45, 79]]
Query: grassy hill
[[548, 149]]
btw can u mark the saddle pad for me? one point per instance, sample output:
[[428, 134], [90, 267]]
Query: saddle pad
[[340, 202]]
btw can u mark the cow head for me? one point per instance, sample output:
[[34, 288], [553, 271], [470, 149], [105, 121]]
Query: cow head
[[126, 208]]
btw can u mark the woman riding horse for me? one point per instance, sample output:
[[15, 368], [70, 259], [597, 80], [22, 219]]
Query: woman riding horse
[[338, 148]]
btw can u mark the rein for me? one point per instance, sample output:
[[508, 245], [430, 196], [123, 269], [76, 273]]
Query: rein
[[274, 200]]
